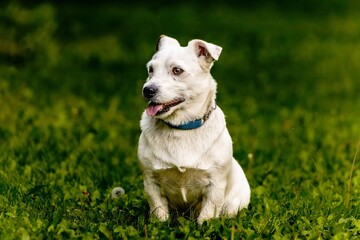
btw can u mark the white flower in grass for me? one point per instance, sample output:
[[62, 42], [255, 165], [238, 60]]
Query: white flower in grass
[[117, 192]]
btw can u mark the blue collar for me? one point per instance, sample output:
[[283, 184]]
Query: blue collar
[[192, 124], [187, 126]]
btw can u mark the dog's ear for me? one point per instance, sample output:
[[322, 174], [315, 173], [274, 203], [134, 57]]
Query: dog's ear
[[166, 41], [208, 51]]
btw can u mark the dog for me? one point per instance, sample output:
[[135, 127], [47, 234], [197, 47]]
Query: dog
[[185, 149]]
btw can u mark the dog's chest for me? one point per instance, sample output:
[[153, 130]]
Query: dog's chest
[[184, 187], [180, 149]]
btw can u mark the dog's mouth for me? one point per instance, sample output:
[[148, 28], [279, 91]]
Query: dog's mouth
[[156, 109]]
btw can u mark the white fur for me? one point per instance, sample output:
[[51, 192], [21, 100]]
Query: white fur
[[189, 168]]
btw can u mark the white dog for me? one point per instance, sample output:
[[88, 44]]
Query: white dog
[[185, 148]]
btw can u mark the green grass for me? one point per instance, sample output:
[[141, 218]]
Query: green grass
[[70, 105]]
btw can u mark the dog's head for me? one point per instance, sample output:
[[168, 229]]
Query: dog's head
[[179, 78]]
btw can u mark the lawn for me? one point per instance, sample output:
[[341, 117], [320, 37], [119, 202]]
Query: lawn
[[70, 104]]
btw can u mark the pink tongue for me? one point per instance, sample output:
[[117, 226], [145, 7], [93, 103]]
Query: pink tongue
[[153, 109]]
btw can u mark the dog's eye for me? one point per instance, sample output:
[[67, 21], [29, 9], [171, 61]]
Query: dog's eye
[[177, 71], [150, 70]]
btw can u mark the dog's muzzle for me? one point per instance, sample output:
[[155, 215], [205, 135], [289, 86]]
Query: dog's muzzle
[[156, 108]]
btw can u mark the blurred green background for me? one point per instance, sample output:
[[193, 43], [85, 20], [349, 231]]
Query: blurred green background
[[70, 103]]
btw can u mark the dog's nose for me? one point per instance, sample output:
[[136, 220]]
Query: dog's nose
[[150, 91]]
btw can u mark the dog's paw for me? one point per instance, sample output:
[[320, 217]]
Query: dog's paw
[[201, 220], [205, 216], [160, 214], [230, 210]]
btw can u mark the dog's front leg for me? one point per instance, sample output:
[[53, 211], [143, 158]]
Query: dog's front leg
[[213, 201], [158, 204]]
